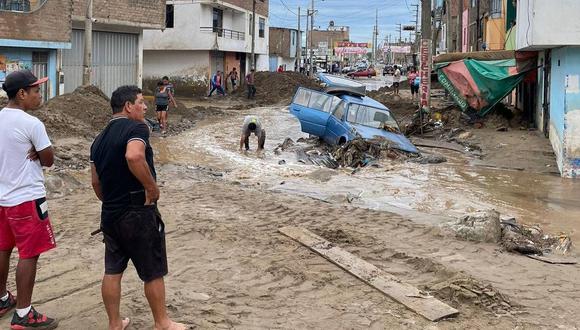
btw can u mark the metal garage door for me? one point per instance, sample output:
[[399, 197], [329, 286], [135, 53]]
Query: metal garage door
[[115, 60]]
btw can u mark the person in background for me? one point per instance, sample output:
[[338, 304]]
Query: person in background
[[24, 221], [250, 81], [233, 75], [216, 84], [411, 79], [163, 97], [396, 79], [280, 68]]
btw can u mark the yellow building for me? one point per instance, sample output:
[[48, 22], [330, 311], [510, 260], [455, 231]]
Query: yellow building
[[500, 19]]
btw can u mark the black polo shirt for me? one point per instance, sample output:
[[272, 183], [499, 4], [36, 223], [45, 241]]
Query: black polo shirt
[[108, 156]]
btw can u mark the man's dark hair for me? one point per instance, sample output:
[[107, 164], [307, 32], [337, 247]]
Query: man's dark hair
[[160, 83], [252, 126], [12, 94], [165, 78], [122, 95]]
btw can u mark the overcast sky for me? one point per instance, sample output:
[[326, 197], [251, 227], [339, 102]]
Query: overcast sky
[[358, 14]]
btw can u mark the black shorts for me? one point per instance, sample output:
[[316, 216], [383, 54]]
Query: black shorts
[[414, 89], [138, 235], [162, 107]]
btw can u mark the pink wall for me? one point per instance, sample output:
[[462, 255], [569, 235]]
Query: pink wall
[[465, 34]]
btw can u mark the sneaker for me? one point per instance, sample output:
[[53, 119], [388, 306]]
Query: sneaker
[[33, 321], [6, 306]]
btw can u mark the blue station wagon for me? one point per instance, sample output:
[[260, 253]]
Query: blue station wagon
[[342, 112]]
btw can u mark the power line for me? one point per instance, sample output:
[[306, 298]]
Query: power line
[[287, 8]]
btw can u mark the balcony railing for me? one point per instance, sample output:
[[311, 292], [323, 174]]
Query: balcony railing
[[224, 33]]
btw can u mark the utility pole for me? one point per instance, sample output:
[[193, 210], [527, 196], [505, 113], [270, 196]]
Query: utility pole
[[307, 54], [376, 37], [311, 30], [425, 59], [400, 30], [253, 56], [299, 42], [88, 54], [416, 40]]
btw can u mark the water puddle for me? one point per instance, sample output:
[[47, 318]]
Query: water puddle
[[425, 193]]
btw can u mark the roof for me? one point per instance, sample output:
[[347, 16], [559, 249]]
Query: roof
[[365, 100]]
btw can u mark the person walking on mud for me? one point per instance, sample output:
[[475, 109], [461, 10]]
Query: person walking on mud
[[123, 178], [216, 84], [250, 81], [252, 125], [163, 97], [233, 75], [412, 78], [24, 222], [396, 79]]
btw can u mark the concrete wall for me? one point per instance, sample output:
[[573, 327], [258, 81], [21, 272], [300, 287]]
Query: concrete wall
[[540, 93], [188, 70], [187, 34], [51, 22], [280, 42], [544, 24], [565, 109], [15, 59]]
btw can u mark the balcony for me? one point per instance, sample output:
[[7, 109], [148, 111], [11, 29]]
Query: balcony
[[224, 33]]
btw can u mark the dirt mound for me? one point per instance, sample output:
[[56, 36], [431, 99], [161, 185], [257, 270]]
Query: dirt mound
[[84, 112], [402, 108], [277, 87]]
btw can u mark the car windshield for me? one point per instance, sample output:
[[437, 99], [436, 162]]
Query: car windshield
[[372, 117]]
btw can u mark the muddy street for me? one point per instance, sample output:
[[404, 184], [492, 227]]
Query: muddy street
[[230, 268]]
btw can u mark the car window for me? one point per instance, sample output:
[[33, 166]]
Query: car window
[[376, 118], [339, 111], [302, 97], [352, 113]]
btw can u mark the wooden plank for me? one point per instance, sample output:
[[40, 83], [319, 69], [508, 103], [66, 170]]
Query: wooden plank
[[418, 142], [556, 260], [406, 294]]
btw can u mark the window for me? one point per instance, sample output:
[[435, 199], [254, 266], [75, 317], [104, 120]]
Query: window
[[322, 102], [217, 23], [339, 111], [473, 3], [352, 113], [315, 100], [375, 118], [15, 5], [251, 25], [302, 97], [169, 16], [262, 30], [495, 10], [293, 37]]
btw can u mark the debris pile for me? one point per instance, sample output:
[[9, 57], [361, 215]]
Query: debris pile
[[460, 290], [359, 152], [486, 226]]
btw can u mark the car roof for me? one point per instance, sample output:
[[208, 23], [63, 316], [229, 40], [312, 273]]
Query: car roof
[[365, 100]]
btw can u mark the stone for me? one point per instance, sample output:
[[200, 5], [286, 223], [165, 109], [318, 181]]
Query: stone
[[481, 226]]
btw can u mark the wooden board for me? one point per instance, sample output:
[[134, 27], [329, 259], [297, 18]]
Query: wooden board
[[406, 294], [551, 259], [418, 142]]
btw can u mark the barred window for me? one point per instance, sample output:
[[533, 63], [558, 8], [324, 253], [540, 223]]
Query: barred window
[[495, 10], [15, 5]]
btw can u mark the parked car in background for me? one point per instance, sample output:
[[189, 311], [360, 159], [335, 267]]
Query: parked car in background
[[347, 69], [343, 112], [370, 72], [388, 69]]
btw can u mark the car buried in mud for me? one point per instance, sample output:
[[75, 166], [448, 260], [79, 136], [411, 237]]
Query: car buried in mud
[[342, 112]]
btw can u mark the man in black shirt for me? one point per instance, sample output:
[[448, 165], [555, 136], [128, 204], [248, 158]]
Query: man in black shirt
[[123, 178]]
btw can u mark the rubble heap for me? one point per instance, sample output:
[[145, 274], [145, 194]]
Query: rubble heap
[[359, 152]]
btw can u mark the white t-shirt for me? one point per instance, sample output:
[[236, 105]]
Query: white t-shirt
[[397, 75], [21, 180]]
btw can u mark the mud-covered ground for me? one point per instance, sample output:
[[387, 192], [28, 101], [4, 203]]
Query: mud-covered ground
[[230, 268]]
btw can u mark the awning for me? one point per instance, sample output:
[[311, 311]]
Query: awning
[[482, 79]]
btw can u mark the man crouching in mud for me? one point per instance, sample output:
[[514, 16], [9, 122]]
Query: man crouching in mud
[[252, 125], [123, 178]]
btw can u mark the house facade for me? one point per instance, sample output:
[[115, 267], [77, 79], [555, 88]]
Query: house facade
[[284, 48], [204, 36], [117, 57], [33, 35], [539, 28]]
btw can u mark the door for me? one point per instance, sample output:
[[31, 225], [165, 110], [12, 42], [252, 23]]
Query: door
[[337, 131], [40, 70], [312, 109], [547, 82], [115, 61]]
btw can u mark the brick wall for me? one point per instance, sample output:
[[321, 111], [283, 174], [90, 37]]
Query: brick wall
[[148, 12], [279, 42], [51, 22], [261, 7], [331, 37]]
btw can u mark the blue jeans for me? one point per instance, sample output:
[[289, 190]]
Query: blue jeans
[[219, 89]]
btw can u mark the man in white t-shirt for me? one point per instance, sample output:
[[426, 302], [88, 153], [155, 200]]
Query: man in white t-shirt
[[24, 149], [396, 79]]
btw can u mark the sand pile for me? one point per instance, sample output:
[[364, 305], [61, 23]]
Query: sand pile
[[276, 87], [82, 113]]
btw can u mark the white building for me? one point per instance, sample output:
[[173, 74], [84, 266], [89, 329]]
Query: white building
[[202, 37]]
